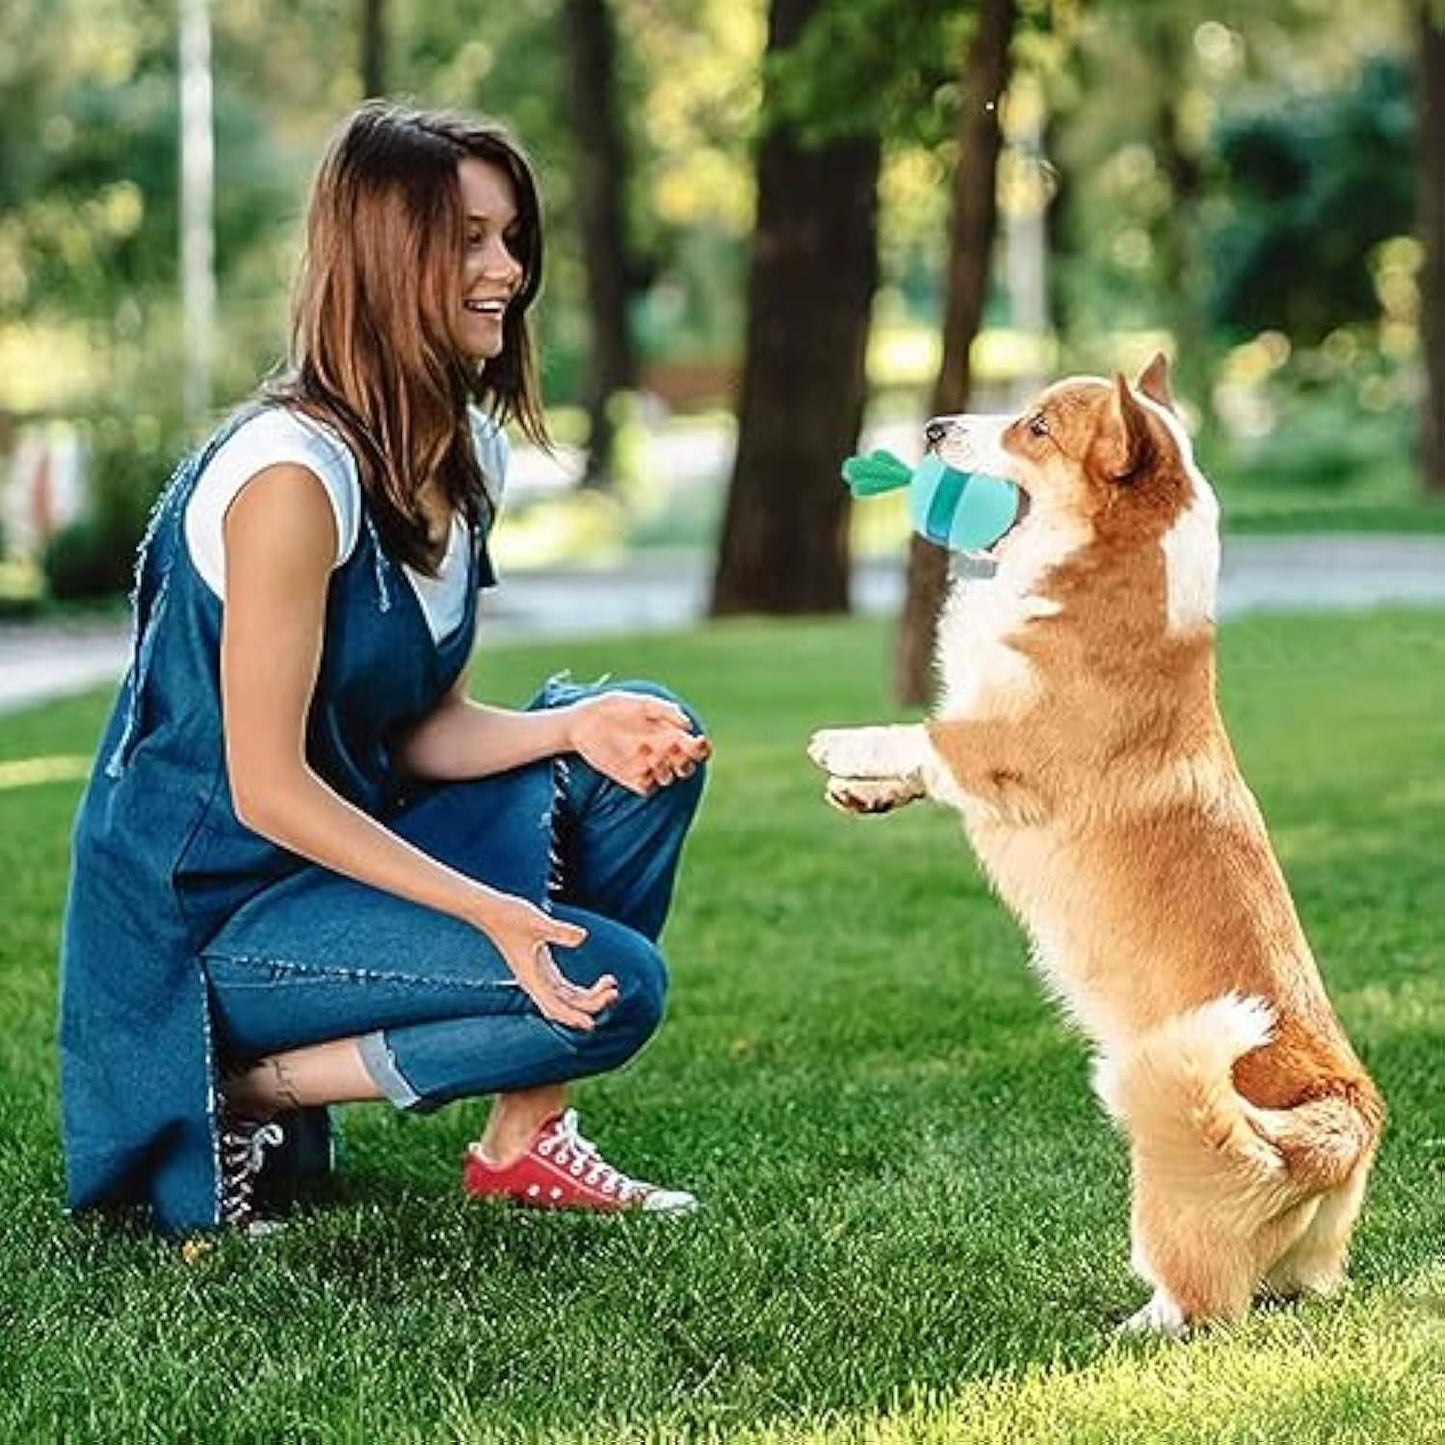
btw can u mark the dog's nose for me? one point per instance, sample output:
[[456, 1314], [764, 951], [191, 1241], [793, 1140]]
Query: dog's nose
[[935, 431]]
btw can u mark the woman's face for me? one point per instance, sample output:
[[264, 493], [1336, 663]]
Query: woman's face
[[491, 274]]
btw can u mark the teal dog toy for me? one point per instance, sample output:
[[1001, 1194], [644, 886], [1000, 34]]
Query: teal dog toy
[[963, 511]]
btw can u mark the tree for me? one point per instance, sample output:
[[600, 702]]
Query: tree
[[972, 227], [373, 47], [1314, 184], [1430, 49], [91, 209], [602, 176], [784, 545]]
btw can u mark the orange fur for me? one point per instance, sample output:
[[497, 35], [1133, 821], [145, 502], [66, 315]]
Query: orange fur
[[1081, 740]]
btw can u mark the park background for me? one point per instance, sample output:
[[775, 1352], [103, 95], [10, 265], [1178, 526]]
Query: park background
[[777, 231]]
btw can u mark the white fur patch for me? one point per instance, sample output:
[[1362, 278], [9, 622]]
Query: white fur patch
[[1191, 545], [981, 673], [1104, 1080], [1161, 1316], [1233, 1025], [1207, 1040], [1191, 561], [900, 751], [973, 444], [1049, 959]]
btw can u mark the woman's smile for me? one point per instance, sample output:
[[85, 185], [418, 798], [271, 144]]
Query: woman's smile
[[491, 272]]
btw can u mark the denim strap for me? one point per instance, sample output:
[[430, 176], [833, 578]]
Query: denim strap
[[148, 601]]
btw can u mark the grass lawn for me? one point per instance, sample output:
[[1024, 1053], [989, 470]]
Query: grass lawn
[[915, 1217], [1254, 510]]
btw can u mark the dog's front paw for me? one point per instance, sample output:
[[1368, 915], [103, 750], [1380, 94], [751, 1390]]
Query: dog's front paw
[[824, 744], [855, 752], [870, 795]]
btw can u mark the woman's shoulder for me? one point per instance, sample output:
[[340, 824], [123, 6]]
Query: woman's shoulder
[[271, 436], [292, 434]]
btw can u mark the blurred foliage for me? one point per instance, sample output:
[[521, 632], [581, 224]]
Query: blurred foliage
[[837, 80], [1308, 188], [1307, 428], [1215, 171], [1139, 113], [1234, 183], [697, 90], [129, 457]]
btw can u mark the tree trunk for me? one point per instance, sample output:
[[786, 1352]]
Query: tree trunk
[[591, 53], [784, 545], [1431, 82], [972, 227], [373, 47]]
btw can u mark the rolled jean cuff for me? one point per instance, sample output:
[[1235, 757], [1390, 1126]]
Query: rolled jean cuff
[[379, 1061]]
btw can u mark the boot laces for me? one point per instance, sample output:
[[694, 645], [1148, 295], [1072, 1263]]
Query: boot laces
[[244, 1143]]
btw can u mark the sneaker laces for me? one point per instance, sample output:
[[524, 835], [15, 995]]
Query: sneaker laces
[[244, 1143], [566, 1148]]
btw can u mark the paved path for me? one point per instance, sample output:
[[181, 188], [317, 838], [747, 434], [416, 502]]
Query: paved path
[[1260, 574]]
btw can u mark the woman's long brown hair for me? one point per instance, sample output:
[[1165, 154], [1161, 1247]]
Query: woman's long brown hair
[[372, 353]]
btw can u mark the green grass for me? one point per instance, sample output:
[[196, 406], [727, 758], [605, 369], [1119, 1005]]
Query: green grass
[[915, 1218], [1394, 509]]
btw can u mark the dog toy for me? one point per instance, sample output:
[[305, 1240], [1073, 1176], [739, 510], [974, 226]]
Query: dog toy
[[964, 511]]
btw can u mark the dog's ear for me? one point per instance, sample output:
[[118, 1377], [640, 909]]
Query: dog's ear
[[1154, 381], [1125, 443]]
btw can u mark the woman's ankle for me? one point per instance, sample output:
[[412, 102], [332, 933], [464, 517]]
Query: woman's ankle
[[514, 1122]]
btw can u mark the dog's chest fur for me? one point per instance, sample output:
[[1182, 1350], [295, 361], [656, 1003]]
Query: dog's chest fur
[[1055, 722], [982, 673]]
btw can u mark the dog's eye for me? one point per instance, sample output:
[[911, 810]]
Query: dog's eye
[[1039, 424]]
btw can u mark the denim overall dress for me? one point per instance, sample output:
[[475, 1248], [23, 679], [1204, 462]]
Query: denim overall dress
[[160, 861]]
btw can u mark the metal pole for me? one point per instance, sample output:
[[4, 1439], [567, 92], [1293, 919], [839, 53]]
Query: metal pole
[[198, 272], [1026, 243]]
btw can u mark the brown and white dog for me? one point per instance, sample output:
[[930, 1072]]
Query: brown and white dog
[[1079, 736]]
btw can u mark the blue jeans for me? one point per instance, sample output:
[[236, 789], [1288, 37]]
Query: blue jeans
[[439, 1015]]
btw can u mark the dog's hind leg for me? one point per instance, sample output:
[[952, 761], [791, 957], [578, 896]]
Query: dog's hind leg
[[1204, 1258], [1169, 1253], [1315, 1262]]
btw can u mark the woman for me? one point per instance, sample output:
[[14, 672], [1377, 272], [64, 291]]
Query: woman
[[307, 869]]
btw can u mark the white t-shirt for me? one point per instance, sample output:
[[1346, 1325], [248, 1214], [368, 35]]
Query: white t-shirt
[[279, 434]]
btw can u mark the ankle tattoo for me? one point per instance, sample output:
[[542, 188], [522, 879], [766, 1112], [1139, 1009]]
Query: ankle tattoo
[[283, 1086]]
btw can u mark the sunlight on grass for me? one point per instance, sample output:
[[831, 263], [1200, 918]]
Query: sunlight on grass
[[1301, 1379], [31, 772]]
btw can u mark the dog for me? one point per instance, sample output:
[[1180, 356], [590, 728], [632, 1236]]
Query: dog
[[1079, 737]]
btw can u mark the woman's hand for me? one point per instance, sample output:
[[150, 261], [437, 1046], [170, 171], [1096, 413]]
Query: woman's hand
[[525, 936], [638, 741]]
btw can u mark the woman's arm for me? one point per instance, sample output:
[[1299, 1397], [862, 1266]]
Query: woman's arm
[[639, 741], [280, 537], [465, 739]]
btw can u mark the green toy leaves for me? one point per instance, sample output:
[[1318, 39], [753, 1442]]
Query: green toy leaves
[[877, 472]]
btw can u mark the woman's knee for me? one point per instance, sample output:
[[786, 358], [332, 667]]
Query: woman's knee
[[684, 793], [641, 976], [656, 689], [642, 987], [679, 799]]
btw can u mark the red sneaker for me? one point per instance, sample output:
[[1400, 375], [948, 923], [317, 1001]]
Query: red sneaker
[[561, 1170]]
